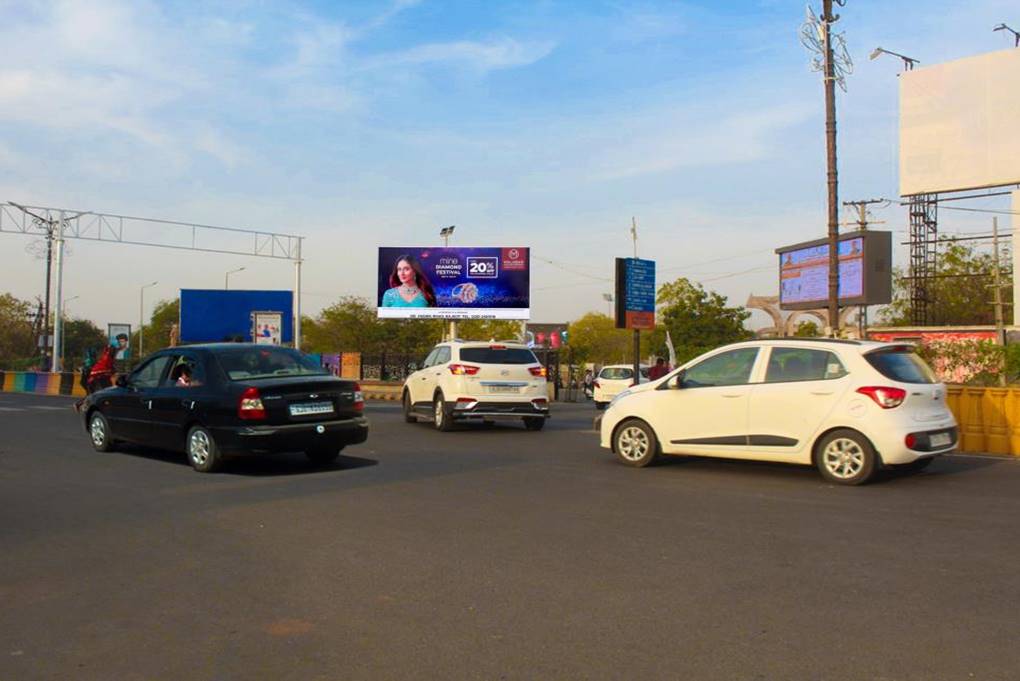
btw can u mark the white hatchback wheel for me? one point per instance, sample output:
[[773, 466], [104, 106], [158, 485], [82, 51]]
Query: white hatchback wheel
[[635, 443], [843, 458], [632, 443]]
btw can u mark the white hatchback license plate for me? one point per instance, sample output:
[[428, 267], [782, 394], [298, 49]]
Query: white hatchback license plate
[[941, 440], [309, 408], [504, 388]]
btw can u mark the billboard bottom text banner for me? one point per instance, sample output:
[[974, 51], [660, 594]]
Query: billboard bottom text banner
[[453, 313]]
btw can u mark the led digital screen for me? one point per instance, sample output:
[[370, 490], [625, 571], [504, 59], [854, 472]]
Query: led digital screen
[[453, 283], [865, 271]]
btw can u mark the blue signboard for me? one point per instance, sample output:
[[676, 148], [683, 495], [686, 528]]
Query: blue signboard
[[635, 293], [213, 315]]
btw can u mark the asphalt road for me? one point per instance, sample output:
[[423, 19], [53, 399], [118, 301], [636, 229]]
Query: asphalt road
[[491, 554]]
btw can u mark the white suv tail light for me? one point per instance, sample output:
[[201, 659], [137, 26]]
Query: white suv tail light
[[887, 398]]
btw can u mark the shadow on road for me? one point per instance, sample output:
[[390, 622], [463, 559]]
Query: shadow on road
[[256, 465], [942, 467]]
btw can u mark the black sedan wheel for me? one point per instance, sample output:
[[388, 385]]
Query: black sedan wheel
[[203, 454], [99, 432]]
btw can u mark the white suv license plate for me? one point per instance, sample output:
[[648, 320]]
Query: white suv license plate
[[504, 388], [939, 440], [310, 408]]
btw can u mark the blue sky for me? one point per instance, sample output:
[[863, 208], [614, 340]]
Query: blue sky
[[360, 124]]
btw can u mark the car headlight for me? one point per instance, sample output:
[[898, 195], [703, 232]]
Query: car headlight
[[618, 397]]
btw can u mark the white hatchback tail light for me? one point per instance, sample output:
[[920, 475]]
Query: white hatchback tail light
[[887, 398]]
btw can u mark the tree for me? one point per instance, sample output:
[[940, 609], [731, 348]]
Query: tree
[[16, 336], [348, 325], [595, 338], [960, 292], [165, 314], [806, 329], [80, 335], [697, 320], [489, 329]]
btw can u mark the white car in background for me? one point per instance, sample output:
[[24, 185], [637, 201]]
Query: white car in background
[[848, 407], [613, 380], [478, 381]]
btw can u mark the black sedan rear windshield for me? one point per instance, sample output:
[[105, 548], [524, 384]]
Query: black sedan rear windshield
[[265, 362], [498, 356], [901, 365]]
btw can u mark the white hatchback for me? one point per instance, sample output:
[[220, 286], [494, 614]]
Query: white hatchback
[[478, 381], [848, 407], [613, 379]]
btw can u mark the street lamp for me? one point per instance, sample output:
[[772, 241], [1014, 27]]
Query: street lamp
[[446, 233], [226, 277], [908, 62], [608, 297], [141, 315], [1016, 36]]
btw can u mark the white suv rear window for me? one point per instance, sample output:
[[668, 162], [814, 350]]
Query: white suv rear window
[[498, 356]]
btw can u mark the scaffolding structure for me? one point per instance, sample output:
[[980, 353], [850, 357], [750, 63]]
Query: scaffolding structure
[[60, 224], [924, 228]]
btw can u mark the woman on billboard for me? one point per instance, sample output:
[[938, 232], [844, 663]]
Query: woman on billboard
[[409, 287]]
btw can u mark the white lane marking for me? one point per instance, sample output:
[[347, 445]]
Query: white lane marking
[[50, 408], [11, 409]]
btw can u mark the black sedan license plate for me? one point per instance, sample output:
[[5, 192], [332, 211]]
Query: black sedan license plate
[[311, 408]]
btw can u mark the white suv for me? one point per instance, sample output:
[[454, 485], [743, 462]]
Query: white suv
[[479, 381], [848, 407]]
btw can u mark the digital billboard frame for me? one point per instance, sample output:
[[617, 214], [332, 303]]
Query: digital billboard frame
[[876, 271]]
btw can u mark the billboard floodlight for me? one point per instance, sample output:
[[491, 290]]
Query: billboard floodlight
[[908, 62]]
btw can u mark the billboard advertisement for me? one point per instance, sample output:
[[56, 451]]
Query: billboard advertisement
[[214, 315], [958, 124], [454, 283], [267, 328], [119, 336], [635, 293], [865, 271]]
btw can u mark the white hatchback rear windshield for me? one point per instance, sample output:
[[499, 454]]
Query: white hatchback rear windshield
[[901, 364], [617, 374], [498, 356]]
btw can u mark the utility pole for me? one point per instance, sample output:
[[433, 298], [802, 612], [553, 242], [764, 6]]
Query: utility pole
[[1000, 326], [828, 18], [862, 225], [637, 332]]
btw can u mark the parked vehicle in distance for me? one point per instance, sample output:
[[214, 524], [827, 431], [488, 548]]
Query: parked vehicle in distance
[[464, 381], [613, 379], [219, 399], [848, 407]]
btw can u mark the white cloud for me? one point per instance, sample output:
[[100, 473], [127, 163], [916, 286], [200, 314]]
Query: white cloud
[[499, 53]]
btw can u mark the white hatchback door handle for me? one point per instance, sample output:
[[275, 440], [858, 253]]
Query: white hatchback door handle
[[821, 392], [733, 394]]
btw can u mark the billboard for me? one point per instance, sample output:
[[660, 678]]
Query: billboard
[[635, 293], [454, 283], [958, 124], [119, 336], [267, 327], [213, 315], [865, 271]]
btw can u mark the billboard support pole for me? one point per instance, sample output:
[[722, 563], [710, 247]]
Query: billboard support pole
[[297, 296]]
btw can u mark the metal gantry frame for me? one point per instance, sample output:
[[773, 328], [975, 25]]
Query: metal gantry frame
[[63, 223], [924, 233]]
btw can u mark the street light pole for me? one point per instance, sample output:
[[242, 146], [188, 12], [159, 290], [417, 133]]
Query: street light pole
[[141, 315], [830, 152], [226, 277], [446, 233]]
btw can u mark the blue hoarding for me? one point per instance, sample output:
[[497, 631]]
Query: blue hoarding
[[454, 283], [212, 315]]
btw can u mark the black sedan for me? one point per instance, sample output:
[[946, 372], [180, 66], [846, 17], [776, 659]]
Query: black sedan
[[214, 400]]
